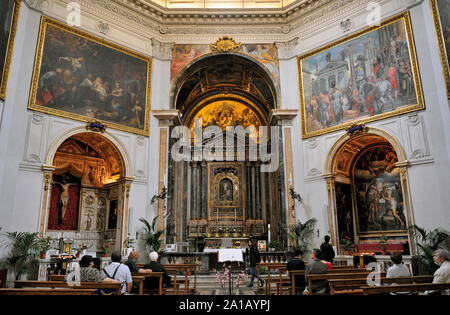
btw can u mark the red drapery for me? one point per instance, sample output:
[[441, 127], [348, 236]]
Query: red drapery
[[70, 222]]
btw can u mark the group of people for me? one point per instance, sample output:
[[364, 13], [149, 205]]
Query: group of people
[[121, 273]]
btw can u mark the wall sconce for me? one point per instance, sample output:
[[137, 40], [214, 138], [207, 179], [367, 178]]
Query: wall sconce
[[295, 195], [161, 196]]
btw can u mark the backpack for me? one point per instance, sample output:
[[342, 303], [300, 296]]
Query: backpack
[[110, 291]]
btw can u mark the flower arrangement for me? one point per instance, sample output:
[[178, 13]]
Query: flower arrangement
[[82, 246], [105, 247], [383, 241], [225, 277], [347, 243], [43, 245]]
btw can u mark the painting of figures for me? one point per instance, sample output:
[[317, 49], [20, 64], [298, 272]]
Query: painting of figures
[[441, 17], [81, 77], [368, 76], [9, 13], [344, 211], [378, 191]]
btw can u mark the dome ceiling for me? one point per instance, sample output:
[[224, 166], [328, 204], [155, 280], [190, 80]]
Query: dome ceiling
[[223, 4]]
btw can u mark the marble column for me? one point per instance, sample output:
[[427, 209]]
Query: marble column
[[258, 191], [248, 194], [253, 190], [194, 189], [263, 198], [203, 195]]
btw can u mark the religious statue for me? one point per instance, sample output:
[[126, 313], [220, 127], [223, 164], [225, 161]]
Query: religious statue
[[64, 197]]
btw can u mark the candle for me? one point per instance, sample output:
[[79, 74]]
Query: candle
[[268, 229], [234, 214], [217, 215]]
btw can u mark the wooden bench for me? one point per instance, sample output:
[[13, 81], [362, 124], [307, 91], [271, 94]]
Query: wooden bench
[[329, 276], [140, 278], [294, 287], [65, 285], [39, 291], [346, 286], [417, 287], [184, 268], [57, 277]]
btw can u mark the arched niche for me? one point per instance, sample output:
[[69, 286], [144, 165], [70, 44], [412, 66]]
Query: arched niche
[[368, 189], [86, 177]]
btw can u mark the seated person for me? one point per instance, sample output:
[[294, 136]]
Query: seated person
[[398, 269], [297, 264], [442, 275], [118, 271], [153, 283], [131, 263], [316, 267], [88, 273]]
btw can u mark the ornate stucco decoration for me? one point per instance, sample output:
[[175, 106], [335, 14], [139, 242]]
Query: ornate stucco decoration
[[225, 44]]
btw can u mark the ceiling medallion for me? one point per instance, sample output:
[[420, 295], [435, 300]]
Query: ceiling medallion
[[225, 44]]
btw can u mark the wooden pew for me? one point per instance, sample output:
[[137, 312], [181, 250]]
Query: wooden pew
[[39, 291], [416, 287], [346, 286], [185, 268], [329, 276], [140, 277], [57, 277], [64, 285], [294, 287]]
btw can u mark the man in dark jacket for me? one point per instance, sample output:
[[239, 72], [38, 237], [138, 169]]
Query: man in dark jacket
[[297, 264], [254, 258], [314, 268], [327, 250], [152, 283]]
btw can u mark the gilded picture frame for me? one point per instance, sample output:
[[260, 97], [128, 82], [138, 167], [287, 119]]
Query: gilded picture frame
[[7, 43], [364, 88], [440, 26], [119, 96]]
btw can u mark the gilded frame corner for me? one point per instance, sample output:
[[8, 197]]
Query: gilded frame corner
[[405, 17], [441, 44], [9, 49], [45, 21]]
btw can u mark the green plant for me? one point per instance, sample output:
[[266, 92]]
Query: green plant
[[300, 234], [383, 242], [151, 236], [274, 244], [347, 243], [105, 247], [24, 249], [44, 244], [428, 242]]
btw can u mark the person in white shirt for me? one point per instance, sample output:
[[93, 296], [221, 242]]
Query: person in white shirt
[[398, 269], [442, 275], [120, 272]]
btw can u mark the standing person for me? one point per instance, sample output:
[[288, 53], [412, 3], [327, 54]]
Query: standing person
[[314, 268], [117, 271], [442, 275], [327, 250], [297, 263], [254, 258]]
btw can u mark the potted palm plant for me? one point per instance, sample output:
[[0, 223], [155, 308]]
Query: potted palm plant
[[150, 236], [23, 251], [300, 234], [428, 242], [44, 245]]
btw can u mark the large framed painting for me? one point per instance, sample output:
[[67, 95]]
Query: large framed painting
[[82, 77], [361, 78], [9, 15], [378, 192], [441, 17]]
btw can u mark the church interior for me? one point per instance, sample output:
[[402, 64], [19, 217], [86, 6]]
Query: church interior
[[206, 130]]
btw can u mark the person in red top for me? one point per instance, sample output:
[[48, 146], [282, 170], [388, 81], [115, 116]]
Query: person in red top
[[393, 78]]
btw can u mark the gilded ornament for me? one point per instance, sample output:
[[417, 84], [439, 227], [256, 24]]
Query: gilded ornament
[[225, 44]]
